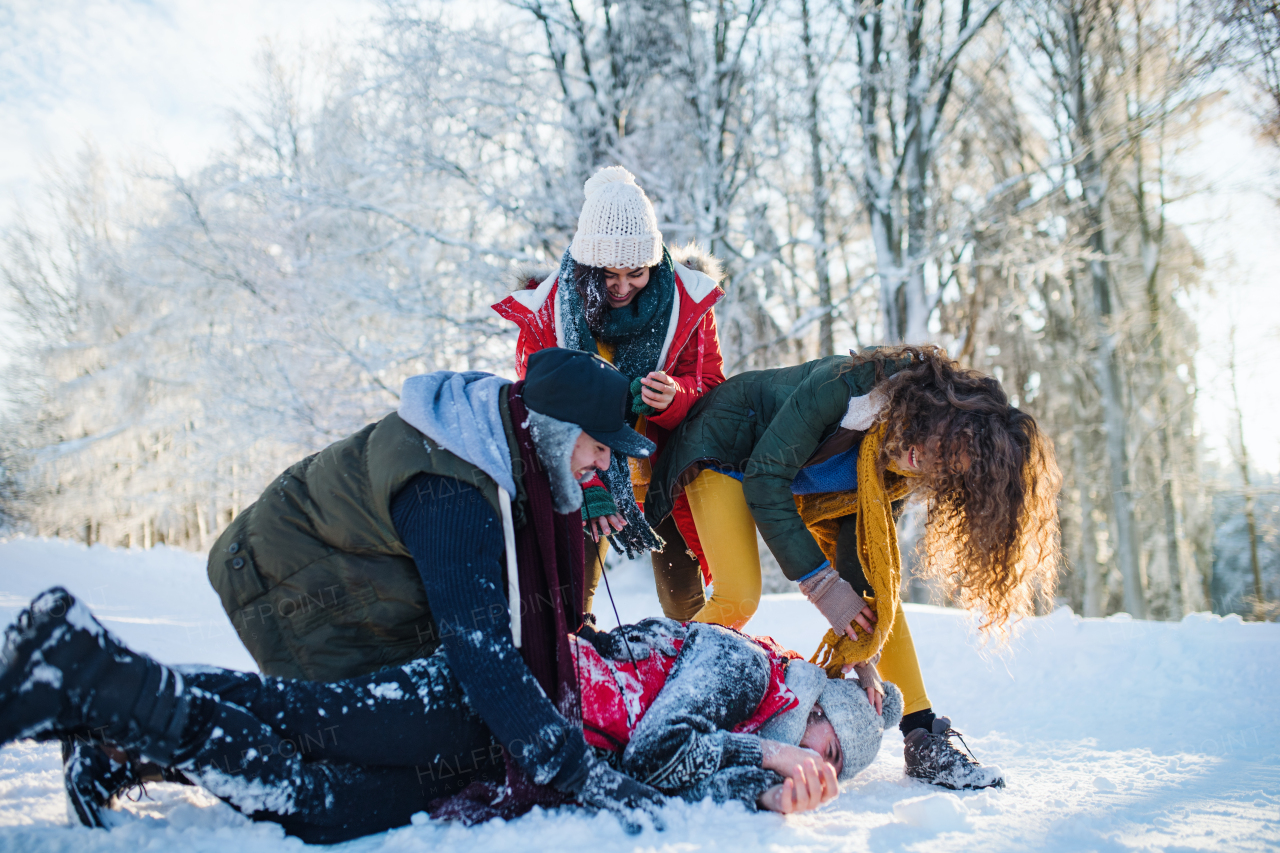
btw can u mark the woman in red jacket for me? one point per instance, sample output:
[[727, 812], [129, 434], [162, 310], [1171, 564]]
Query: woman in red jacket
[[648, 311]]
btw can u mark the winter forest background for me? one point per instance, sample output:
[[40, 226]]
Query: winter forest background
[[996, 177]]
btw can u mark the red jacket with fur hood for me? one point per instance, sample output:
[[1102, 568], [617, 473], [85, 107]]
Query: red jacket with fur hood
[[690, 355]]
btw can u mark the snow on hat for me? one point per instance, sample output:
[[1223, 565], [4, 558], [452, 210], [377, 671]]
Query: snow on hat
[[858, 727], [617, 227]]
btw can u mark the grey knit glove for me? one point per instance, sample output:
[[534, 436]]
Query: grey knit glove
[[607, 789], [834, 597]]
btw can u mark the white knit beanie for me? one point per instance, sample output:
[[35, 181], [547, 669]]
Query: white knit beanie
[[617, 227]]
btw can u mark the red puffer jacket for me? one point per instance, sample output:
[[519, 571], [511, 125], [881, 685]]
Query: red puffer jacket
[[616, 694], [690, 355]]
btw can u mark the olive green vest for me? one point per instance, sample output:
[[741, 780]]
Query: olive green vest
[[313, 575]]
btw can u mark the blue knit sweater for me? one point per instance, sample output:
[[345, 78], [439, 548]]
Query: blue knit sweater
[[456, 540], [837, 474]]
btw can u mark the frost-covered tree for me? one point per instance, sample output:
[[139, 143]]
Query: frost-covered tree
[[1097, 280], [1251, 46], [909, 54], [993, 179], [1246, 562], [254, 311]]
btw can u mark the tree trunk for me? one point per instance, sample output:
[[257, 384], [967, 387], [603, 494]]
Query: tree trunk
[[822, 272], [1242, 460], [1115, 420], [1106, 365], [1151, 225], [1092, 598], [917, 152]]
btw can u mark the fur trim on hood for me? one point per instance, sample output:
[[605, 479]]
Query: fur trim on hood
[[691, 255]]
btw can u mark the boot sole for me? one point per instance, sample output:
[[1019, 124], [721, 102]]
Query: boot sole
[[16, 681], [999, 783]]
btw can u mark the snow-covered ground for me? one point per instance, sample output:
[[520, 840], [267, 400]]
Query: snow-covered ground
[[1115, 735]]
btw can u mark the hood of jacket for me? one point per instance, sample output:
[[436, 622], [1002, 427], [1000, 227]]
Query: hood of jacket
[[690, 256], [535, 305], [459, 411]]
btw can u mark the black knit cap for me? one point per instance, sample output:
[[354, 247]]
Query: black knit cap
[[582, 388]]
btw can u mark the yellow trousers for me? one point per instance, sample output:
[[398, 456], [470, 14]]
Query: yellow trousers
[[899, 664], [728, 535]]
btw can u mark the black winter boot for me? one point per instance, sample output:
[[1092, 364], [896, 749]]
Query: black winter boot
[[94, 775], [62, 673], [931, 758], [97, 775]]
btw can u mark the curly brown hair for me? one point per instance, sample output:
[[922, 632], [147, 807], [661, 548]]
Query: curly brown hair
[[990, 481]]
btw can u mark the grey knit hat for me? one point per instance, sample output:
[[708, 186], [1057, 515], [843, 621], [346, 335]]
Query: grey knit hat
[[858, 727]]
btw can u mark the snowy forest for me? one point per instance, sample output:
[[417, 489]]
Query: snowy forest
[[994, 176]]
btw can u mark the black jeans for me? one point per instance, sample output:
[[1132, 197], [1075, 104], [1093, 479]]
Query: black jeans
[[335, 761]]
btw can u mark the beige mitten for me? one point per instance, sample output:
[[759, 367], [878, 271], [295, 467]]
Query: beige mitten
[[834, 598]]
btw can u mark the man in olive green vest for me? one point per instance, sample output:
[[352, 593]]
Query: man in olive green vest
[[404, 537]]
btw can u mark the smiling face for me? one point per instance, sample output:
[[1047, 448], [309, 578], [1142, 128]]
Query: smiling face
[[918, 459], [588, 456], [622, 285], [820, 736], [910, 459]]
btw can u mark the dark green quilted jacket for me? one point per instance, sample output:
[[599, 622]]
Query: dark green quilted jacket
[[313, 575], [764, 424]]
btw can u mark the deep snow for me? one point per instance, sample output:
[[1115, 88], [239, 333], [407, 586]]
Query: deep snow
[[1114, 734]]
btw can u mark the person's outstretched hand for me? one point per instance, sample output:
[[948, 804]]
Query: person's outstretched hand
[[865, 619], [623, 796], [809, 783], [659, 390], [836, 599], [605, 525], [869, 678]]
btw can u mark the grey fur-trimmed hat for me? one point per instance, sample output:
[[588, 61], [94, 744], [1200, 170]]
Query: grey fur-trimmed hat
[[858, 727]]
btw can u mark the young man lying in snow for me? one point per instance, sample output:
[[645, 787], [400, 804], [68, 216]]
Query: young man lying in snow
[[692, 711]]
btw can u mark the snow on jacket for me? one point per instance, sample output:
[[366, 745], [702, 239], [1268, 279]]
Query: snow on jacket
[[617, 693], [690, 354], [680, 713]]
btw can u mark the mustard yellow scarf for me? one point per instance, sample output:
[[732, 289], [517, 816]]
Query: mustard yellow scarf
[[877, 549]]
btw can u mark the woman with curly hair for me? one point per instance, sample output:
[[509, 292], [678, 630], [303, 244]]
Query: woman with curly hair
[[647, 309], [819, 456]]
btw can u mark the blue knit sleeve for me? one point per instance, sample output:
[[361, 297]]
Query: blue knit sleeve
[[456, 541]]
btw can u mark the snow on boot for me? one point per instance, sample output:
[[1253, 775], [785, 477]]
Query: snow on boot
[[932, 758], [96, 775], [93, 776], [62, 673]]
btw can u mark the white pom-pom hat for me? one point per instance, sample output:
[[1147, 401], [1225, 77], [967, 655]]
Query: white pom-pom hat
[[617, 227]]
